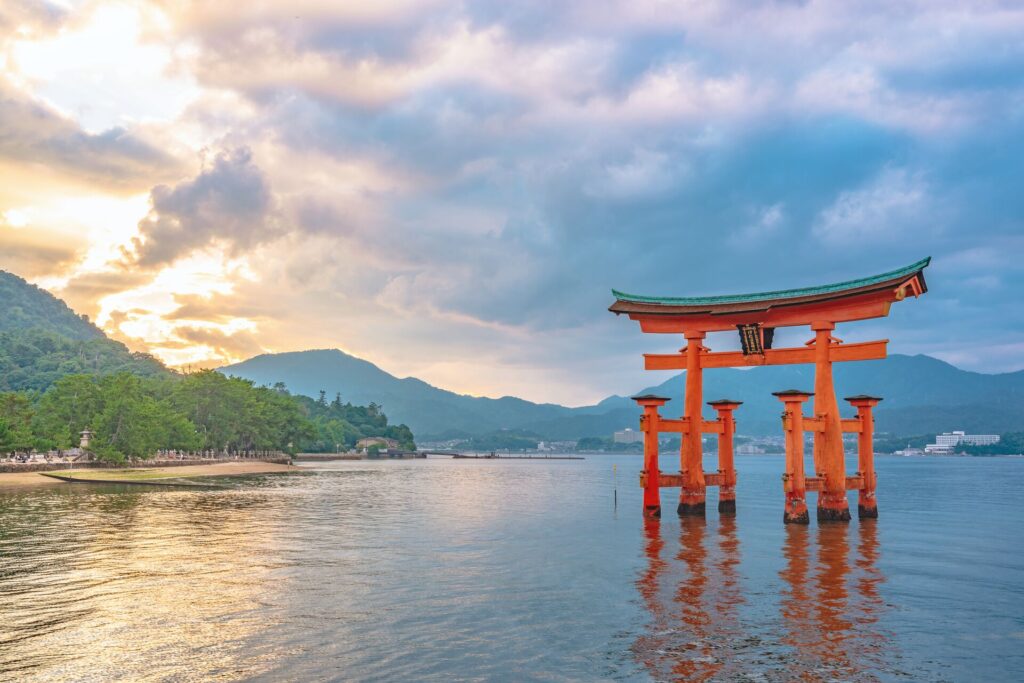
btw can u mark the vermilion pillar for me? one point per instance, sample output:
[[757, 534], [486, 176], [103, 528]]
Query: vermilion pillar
[[793, 480], [691, 495], [867, 506], [649, 426], [828, 443], [726, 465]]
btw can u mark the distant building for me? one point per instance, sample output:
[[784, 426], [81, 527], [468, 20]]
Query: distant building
[[947, 442], [749, 449], [628, 436], [382, 443]]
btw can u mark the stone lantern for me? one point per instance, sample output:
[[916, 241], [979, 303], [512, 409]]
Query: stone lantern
[[84, 443]]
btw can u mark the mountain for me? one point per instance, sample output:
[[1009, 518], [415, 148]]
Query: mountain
[[25, 307], [42, 339], [922, 395], [424, 408]]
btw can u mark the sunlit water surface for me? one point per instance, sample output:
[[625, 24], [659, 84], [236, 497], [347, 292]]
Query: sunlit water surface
[[512, 570]]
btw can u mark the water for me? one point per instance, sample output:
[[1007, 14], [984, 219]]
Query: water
[[517, 570]]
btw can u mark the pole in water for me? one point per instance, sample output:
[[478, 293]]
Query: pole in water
[[614, 479]]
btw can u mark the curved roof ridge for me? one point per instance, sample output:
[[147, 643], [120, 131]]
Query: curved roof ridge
[[912, 269]]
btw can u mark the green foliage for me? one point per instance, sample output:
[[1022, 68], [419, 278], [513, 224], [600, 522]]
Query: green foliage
[[134, 422], [15, 422], [1011, 443], [34, 359], [130, 416], [26, 306], [231, 413], [338, 426], [593, 443], [504, 440], [598, 443]]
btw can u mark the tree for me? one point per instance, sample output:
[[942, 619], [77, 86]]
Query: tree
[[15, 422], [592, 443], [131, 424], [68, 407]]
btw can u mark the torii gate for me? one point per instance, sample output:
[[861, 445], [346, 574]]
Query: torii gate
[[756, 316]]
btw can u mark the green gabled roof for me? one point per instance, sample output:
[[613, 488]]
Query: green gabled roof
[[836, 288]]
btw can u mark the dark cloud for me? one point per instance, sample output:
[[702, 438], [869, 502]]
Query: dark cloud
[[229, 201], [29, 256], [219, 308], [84, 292], [237, 345], [33, 133]]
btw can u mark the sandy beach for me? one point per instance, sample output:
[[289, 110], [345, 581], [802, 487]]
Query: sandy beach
[[9, 480]]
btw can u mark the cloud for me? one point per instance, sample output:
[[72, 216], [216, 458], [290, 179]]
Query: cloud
[[890, 205], [29, 255], [29, 16], [225, 345], [476, 177], [230, 201], [766, 224], [85, 291], [32, 133]]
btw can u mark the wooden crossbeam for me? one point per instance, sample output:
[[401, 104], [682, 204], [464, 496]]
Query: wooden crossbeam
[[854, 483], [851, 425], [711, 427], [873, 350], [674, 480], [682, 426]]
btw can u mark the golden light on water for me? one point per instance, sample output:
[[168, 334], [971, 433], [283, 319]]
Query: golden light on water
[[190, 582]]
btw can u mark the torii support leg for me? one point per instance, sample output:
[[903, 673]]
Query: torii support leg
[[867, 505], [828, 443], [726, 466], [793, 481], [691, 495], [650, 476]]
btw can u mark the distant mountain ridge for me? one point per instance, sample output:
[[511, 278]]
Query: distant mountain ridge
[[425, 408], [922, 395]]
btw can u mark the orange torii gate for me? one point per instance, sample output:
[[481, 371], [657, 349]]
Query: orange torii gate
[[756, 316]]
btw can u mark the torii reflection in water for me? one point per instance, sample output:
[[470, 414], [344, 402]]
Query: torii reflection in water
[[694, 602], [700, 631]]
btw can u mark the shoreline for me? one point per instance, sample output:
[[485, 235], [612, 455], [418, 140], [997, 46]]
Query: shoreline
[[22, 480]]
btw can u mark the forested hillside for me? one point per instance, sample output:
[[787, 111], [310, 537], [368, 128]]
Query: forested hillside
[[34, 359], [42, 340], [59, 374], [26, 307]]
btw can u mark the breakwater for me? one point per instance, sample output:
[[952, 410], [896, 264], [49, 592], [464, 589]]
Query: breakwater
[[12, 467]]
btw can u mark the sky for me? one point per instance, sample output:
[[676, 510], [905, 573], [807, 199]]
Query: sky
[[451, 189]]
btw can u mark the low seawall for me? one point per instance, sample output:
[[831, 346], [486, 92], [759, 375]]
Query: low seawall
[[384, 455], [7, 467]]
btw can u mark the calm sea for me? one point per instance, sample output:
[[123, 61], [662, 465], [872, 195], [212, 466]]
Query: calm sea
[[444, 570]]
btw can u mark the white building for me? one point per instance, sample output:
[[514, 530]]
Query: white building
[[947, 442], [627, 435]]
